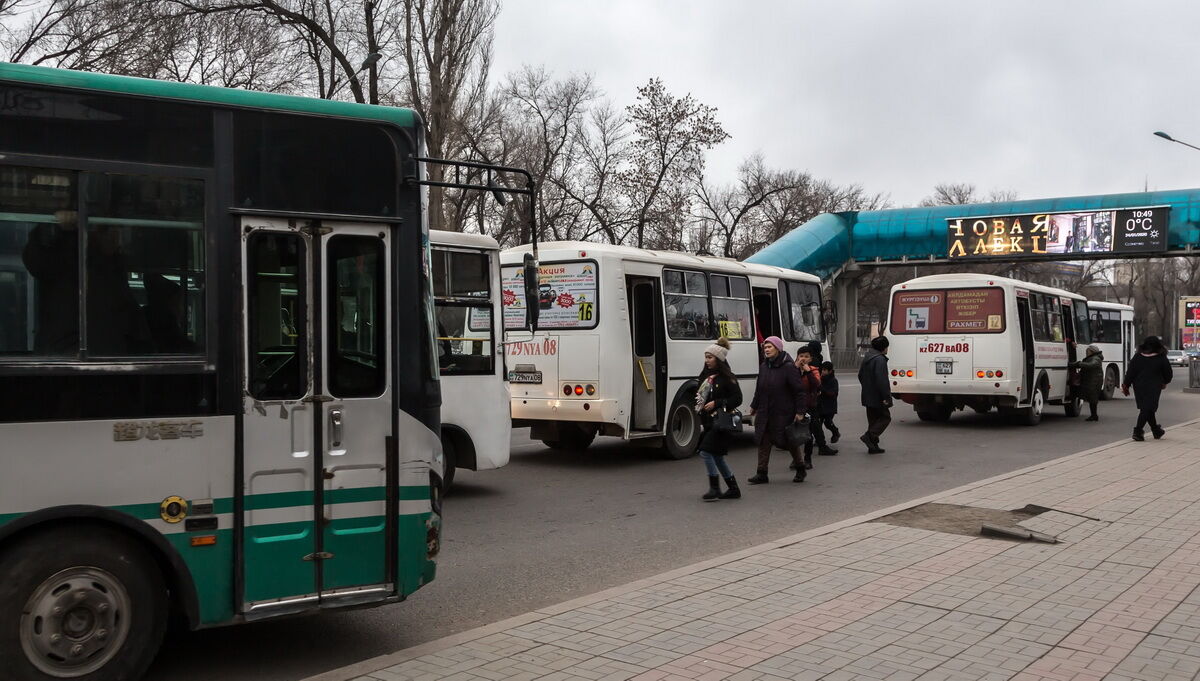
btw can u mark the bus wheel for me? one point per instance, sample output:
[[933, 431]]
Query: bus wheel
[[80, 603], [572, 438], [1032, 415], [683, 428], [1073, 406], [449, 464], [939, 413], [1110, 383]]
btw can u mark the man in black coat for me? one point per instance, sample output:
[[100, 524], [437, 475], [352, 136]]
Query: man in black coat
[[876, 393]]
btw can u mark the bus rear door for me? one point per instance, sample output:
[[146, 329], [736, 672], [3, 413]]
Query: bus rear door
[[649, 363]]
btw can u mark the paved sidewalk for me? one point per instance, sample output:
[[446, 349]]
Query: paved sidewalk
[[1116, 599]]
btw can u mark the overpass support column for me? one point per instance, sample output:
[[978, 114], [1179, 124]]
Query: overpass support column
[[843, 291]]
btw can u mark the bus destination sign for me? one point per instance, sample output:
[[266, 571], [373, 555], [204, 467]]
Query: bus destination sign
[[1115, 232]]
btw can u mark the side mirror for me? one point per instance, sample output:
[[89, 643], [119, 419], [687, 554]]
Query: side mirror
[[531, 291]]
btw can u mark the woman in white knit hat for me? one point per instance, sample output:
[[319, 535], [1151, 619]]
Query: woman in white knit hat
[[719, 391]]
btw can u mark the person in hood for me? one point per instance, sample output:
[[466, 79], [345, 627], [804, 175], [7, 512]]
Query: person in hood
[[719, 391], [876, 393], [1149, 373], [779, 401], [1091, 378]]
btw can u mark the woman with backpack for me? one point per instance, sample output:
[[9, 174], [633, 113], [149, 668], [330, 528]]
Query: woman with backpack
[[718, 393], [1149, 373]]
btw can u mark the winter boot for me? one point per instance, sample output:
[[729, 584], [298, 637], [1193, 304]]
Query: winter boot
[[837, 435], [734, 492], [801, 474], [1138, 435], [826, 450], [760, 478], [714, 489], [1158, 432], [1093, 417], [808, 459]]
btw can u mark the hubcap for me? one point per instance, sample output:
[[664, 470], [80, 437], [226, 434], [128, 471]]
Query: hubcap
[[75, 622], [682, 425], [1037, 402]]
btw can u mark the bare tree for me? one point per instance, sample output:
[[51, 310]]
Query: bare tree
[[671, 135], [724, 211], [959, 193]]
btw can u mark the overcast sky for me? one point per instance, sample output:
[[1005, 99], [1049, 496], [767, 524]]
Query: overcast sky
[[1046, 98]]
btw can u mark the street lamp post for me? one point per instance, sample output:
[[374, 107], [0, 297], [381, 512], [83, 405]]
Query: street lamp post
[[1168, 138]]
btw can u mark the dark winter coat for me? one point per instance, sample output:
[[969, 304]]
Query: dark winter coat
[[873, 377], [1091, 376], [778, 398], [829, 396], [1148, 374], [810, 379], [728, 396]]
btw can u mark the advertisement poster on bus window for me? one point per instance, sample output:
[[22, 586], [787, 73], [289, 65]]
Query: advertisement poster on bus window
[[566, 296], [975, 309], [918, 312]]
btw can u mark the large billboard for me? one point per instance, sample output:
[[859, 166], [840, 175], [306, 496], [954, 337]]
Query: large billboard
[[1105, 232]]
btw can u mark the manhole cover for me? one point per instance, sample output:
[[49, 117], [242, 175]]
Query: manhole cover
[[955, 519]]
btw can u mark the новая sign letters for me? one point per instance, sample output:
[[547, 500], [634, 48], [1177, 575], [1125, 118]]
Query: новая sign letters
[[1133, 230]]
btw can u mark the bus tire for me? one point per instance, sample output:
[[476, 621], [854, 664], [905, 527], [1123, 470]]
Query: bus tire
[[937, 413], [1073, 406], [572, 438], [1110, 383], [683, 428], [449, 463], [96, 604], [1032, 415]]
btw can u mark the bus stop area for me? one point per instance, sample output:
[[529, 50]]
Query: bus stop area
[[1106, 588]]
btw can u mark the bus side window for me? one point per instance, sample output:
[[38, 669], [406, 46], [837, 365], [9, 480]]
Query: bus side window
[[276, 319], [685, 299]]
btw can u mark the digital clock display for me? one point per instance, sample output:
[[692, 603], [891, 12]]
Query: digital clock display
[[1127, 230]]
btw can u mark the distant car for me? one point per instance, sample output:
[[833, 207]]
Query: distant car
[[1194, 353], [1178, 358]]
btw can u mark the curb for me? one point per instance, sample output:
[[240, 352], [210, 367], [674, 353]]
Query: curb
[[378, 663]]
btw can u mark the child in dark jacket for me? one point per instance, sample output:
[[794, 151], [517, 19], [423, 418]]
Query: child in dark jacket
[[827, 407]]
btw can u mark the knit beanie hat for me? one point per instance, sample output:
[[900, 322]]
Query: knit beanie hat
[[720, 349], [776, 341]]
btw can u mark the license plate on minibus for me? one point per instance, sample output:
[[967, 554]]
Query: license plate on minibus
[[525, 377], [944, 367]]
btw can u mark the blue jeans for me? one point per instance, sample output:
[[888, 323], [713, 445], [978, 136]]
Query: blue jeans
[[715, 463]]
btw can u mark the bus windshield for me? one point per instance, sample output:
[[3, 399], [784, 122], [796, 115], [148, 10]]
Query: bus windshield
[[963, 310], [802, 309]]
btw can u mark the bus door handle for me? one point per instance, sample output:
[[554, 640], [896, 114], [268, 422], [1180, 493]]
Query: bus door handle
[[335, 427]]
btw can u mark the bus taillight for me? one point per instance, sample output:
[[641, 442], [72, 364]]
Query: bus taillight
[[567, 390], [578, 390], [999, 373], [895, 373], [591, 389], [910, 373], [979, 374]]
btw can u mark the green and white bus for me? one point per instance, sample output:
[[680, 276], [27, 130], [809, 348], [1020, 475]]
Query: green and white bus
[[218, 380]]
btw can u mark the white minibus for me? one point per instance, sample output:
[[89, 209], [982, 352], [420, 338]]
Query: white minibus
[[979, 341], [475, 400], [621, 335], [1112, 332]]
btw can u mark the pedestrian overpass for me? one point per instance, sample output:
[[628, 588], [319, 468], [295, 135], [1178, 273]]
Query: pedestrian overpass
[[837, 246]]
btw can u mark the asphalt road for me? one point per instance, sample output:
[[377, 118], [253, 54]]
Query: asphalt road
[[553, 526]]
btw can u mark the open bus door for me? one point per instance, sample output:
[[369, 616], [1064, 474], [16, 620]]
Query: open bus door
[[1072, 402], [766, 316], [1027, 352], [649, 356]]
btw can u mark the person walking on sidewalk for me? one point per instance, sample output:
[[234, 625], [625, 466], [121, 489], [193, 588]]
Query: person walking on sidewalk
[[778, 403], [829, 403], [1149, 373], [1091, 378], [876, 393], [719, 392], [810, 378]]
